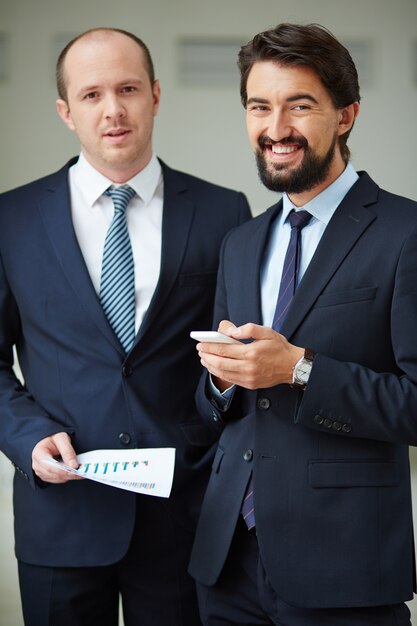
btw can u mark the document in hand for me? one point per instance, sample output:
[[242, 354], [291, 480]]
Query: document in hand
[[146, 470]]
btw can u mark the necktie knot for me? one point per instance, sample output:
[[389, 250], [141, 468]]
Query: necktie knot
[[299, 219], [121, 196]]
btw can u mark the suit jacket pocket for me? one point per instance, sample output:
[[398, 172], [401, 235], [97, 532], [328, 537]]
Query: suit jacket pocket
[[207, 279], [355, 473], [333, 298]]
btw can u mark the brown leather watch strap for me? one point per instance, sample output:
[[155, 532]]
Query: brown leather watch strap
[[309, 354]]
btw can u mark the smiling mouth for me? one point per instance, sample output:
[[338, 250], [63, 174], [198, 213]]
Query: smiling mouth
[[280, 149], [285, 147]]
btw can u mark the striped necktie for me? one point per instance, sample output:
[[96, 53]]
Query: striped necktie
[[287, 287], [117, 286], [289, 276]]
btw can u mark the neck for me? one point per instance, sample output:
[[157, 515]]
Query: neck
[[301, 199], [119, 175]]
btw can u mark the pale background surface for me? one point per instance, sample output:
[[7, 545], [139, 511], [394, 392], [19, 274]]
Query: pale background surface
[[200, 129]]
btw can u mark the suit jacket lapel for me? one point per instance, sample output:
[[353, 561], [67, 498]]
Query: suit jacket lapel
[[349, 221], [56, 215], [250, 306], [178, 213]]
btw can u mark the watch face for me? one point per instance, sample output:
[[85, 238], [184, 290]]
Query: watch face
[[302, 372]]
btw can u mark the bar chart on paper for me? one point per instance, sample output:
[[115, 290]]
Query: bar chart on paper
[[143, 470]]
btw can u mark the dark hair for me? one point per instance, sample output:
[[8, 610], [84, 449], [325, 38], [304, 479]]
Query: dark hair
[[313, 46], [60, 78]]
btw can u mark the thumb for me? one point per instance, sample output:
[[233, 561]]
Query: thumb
[[65, 449], [253, 331], [226, 327]]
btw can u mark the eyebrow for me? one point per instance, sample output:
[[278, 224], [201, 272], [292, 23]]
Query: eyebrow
[[299, 96], [302, 96], [257, 101]]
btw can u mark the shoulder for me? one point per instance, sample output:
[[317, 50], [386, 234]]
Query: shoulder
[[36, 188], [255, 227], [182, 180], [394, 216], [372, 195]]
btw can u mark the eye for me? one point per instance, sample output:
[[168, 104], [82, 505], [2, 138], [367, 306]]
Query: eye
[[91, 95], [258, 108], [128, 89], [301, 107]]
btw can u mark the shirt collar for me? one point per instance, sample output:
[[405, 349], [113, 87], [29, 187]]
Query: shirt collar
[[325, 203], [92, 184]]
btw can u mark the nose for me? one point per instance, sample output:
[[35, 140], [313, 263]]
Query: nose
[[279, 125], [114, 107]]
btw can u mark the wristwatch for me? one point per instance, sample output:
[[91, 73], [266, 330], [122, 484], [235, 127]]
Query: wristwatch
[[302, 369]]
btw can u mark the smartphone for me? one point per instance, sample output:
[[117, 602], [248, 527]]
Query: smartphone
[[212, 335]]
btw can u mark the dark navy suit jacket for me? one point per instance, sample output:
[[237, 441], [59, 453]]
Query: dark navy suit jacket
[[330, 464], [77, 378]]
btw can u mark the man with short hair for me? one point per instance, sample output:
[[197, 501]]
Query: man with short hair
[[106, 265], [307, 516]]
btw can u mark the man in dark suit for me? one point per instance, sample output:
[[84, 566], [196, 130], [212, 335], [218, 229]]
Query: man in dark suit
[[307, 516], [88, 382]]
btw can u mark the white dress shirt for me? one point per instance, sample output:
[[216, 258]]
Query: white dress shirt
[[92, 214]]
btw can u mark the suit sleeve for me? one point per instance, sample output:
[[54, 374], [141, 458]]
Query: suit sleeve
[[348, 399], [207, 406], [244, 212], [23, 422]]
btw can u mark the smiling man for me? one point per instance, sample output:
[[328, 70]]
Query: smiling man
[[307, 517], [105, 267]]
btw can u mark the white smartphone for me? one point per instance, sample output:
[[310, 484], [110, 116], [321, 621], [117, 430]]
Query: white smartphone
[[211, 335]]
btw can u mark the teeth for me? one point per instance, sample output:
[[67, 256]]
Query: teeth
[[283, 149]]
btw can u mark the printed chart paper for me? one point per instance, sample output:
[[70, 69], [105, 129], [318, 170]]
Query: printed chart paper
[[146, 470]]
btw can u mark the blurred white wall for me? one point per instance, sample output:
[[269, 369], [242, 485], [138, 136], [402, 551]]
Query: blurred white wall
[[202, 129]]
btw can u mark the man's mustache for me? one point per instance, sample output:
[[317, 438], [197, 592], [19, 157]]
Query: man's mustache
[[264, 141]]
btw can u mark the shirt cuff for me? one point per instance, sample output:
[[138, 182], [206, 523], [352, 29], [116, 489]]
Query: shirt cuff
[[224, 399]]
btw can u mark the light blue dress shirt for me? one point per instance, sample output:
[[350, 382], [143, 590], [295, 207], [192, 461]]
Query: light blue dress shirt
[[321, 208]]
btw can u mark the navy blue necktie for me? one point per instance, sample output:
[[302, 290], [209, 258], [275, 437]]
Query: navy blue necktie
[[289, 277], [287, 287], [117, 287]]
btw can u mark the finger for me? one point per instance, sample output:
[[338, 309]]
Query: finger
[[253, 331], [224, 350], [51, 474], [65, 449], [226, 369], [57, 445], [226, 327]]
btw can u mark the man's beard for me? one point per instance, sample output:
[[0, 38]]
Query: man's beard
[[312, 171]]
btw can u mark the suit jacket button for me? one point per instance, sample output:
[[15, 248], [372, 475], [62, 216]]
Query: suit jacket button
[[337, 426], [264, 403], [125, 439], [127, 370], [318, 419], [248, 455], [346, 428], [327, 423]]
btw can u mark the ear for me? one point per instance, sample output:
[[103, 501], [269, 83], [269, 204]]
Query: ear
[[156, 94], [347, 117], [65, 113]]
